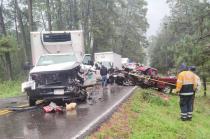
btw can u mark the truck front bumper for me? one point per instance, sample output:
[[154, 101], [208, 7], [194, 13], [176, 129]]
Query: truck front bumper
[[49, 92]]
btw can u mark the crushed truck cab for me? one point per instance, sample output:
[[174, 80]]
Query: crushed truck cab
[[58, 72]]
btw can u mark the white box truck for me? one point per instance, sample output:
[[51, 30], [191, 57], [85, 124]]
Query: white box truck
[[125, 61], [109, 59], [57, 60], [57, 42]]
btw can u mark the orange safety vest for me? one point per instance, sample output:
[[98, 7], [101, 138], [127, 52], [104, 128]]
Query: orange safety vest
[[186, 83]]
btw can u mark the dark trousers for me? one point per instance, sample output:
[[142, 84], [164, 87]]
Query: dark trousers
[[186, 106], [193, 101], [104, 80]]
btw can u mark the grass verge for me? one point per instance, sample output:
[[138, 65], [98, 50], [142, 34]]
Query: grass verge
[[148, 114], [10, 89]]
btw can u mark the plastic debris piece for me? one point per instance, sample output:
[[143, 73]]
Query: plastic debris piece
[[59, 109], [48, 109], [52, 107], [71, 106]]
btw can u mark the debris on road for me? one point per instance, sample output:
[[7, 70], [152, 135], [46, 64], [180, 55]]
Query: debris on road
[[71, 106], [25, 108], [52, 107]]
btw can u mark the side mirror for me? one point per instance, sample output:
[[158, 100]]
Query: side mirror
[[27, 66]]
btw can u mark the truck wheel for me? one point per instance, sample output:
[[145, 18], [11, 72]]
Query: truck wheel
[[167, 90], [128, 83], [32, 102], [83, 96]]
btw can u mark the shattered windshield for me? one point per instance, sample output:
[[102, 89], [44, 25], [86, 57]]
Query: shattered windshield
[[55, 59]]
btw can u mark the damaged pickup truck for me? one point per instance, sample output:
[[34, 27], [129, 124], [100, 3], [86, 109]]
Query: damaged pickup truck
[[58, 72]]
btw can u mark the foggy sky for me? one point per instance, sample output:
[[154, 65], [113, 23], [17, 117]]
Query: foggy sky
[[157, 9]]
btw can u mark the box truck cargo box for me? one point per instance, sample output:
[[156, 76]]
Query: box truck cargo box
[[125, 61], [109, 59], [56, 42]]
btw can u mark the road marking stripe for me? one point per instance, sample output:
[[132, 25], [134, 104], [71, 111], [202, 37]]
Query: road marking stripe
[[5, 112], [24, 105], [85, 130]]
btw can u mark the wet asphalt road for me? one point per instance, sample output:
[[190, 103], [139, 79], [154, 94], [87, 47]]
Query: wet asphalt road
[[35, 124], [4, 103]]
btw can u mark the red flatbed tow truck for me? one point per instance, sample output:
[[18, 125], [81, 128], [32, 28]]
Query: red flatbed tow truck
[[147, 77]]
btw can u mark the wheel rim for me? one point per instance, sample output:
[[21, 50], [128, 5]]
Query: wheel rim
[[167, 90]]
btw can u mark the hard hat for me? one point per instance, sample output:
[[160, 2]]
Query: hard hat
[[183, 67], [192, 68]]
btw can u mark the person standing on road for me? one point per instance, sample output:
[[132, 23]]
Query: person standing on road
[[185, 87], [103, 73]]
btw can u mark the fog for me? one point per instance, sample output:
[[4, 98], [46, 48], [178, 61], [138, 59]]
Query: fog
[[157, 10]]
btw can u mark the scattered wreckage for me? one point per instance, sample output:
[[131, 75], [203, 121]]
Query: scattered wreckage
[[145, 77], [62, 71]]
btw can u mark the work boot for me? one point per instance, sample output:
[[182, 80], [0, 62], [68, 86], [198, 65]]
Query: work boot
[[189, 118], [184, 119]]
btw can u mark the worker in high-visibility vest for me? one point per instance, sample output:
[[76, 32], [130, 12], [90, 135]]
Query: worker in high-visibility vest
[[185, 87], [198, 80]]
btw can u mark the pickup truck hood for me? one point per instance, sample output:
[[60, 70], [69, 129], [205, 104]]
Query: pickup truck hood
[[55, 67]]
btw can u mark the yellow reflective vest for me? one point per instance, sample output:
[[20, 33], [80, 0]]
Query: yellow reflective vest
[[186, 83]]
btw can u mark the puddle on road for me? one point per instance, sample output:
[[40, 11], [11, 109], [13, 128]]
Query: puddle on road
[[99, 94]]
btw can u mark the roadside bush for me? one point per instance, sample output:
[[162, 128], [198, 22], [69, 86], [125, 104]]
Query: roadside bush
[[151, 96], [10, 89], [147, 94]]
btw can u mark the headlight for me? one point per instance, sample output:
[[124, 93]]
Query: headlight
[[34, 76], [70, 81]]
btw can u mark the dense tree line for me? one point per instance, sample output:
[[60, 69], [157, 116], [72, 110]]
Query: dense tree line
[[109, 25], [184, 37]]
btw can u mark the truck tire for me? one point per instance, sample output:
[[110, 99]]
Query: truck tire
[[167, 90], [32, 102], [83, 96], [128, 83]]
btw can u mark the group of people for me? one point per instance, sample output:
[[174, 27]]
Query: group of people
[[187, 85]]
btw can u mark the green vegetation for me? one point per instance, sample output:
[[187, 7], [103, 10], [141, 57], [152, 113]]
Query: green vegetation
[[183, 38], [148, 115], [108, 25], [10, 89]]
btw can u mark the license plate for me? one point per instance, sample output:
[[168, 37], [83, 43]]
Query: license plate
[[58, 92]]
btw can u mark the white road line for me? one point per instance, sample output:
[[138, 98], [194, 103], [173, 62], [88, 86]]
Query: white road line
[[85, 130]]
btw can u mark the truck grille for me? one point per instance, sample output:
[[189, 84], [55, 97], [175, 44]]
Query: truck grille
[[51, 79]]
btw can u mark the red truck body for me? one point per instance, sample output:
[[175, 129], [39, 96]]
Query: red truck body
[[163, 82], [152, 79]]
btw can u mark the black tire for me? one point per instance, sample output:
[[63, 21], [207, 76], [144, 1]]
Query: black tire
[[32, 102], [128, 83], [83, 96], [167, 90]]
